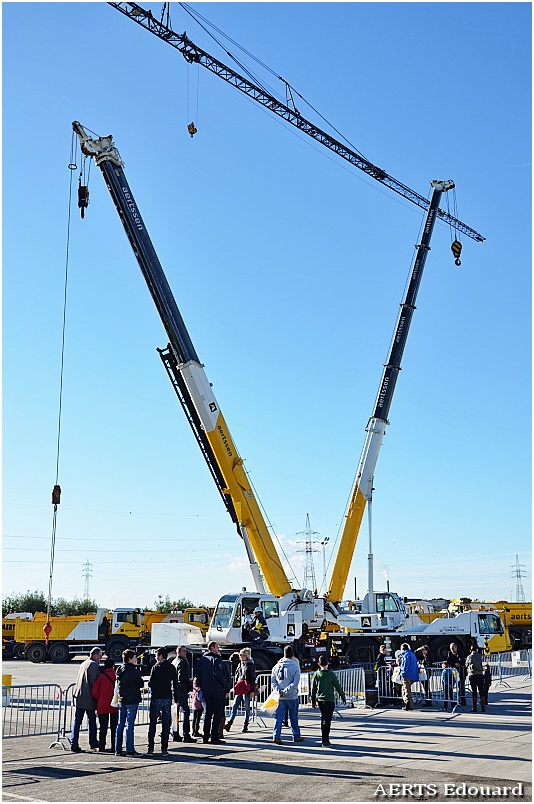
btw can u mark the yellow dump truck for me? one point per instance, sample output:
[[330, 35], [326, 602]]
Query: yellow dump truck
[[112, 630]]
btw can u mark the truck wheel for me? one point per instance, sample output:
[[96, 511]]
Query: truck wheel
[[263, 663], [18, 650], [439, 648], [59, 652], [362, 649], [114, 651], [35, 652]]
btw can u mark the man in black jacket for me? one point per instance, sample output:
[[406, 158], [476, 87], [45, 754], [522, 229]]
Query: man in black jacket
[[456, 659], [212, 682], [183, 688], [163, 686]]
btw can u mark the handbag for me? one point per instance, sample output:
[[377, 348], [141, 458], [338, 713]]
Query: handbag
[[422, 674], [271, 704], [242, 687], [396, 676], [115, 701]]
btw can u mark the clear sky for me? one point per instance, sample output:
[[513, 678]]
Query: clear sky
[[288, 266]]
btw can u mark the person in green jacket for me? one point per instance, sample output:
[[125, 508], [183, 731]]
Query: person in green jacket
[[324, 683]]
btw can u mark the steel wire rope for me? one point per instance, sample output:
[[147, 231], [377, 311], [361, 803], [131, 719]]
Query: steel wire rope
[[72, 162], [195, 14]]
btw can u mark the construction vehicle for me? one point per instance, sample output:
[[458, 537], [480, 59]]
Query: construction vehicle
[[112, 630], [293, 616], [515, 617], [9, 646]]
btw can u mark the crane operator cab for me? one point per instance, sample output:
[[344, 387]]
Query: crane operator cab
[[235, 620]]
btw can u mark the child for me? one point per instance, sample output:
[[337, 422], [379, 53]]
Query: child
[[448, 678], [487, 680], [324, 683], [198, 707]]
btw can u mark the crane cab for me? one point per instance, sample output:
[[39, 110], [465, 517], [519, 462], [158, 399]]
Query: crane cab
[[227, 623]]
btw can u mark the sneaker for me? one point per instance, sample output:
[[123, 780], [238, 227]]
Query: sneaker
[[102, 750], [218, 742], [119, 753], [326, 743], [189, 739], [176, 737], [133, 754], [164, 752], [277, 740], [76, 750], [298, 739], [150, 752]]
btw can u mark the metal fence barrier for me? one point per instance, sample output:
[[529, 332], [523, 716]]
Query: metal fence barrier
[[440, 688], [511, 663], [31, 709]]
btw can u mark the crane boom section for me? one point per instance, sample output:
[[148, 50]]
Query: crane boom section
[[193, 53], [363, 486], [195, 386]]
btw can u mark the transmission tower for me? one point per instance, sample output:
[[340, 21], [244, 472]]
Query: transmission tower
[[309, 569], [87, 573], [518, 573]]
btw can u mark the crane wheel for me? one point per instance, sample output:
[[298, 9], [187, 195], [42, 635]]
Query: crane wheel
[[439, 648]]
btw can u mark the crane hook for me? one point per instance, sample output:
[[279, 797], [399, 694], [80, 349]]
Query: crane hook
[[192, 129], [83, 198], [456, 249]]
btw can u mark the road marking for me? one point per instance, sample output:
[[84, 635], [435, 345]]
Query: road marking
[[20, 798]]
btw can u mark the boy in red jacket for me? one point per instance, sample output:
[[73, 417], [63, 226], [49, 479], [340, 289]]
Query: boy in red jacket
[[102, 691]]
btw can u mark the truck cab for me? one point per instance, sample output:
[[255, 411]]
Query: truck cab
[[226, 625]]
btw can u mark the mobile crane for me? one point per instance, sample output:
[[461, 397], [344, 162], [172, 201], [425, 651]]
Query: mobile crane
[[294, 616]]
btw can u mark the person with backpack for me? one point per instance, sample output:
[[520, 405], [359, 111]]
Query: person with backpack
[[285, 681], [324, 685], [103, 691]]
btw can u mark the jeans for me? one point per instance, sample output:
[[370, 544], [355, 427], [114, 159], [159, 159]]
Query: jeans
[[183, 704], [245, 699], [327, 710], [78, 718], [103, 720], [158, 705], [292, 709], [212, 715], [127, 713]]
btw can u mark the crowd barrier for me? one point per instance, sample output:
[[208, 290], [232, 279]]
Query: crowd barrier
[[41, 709]]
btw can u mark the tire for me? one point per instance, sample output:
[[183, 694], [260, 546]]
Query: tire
[[362, 649], [439, 648], [35, 652], [114, 650], [263, 663], [19, 650], [59, 652]]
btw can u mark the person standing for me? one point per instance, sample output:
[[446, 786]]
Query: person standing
[[163, 685], [212, 681], [285, 681], [244, 687], [487, 680], [108, 715], [324, 684], [198, 707], [409, 671], [423, 657], [82, 698], [130, 684], [448, 681], [456, 658], [183, 687], [475, 675]]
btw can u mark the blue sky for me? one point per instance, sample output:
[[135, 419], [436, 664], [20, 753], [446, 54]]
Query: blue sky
[[288, 266]]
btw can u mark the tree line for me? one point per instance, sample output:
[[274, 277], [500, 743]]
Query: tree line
[[36, 601]]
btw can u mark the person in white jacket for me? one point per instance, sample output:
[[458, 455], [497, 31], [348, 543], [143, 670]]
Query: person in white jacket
[[285, 681]]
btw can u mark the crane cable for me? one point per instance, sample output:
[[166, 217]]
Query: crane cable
[[56, 491]]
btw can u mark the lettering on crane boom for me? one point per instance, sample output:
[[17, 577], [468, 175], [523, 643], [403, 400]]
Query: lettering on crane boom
[[132, 208], [224, 440]]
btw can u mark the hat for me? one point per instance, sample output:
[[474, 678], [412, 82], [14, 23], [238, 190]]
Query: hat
[[257, 610]]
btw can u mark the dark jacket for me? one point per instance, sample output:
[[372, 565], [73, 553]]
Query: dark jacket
[[183, 674], [380, 661], [211, 675], [246, 671], [103, 691], [324, 685], [130, 684], [454, 659], [162, 681]]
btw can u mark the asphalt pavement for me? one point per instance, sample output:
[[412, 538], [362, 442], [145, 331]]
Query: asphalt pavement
[[444, 757]]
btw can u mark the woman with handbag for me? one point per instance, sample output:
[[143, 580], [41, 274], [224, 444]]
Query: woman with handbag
[[244, 687]]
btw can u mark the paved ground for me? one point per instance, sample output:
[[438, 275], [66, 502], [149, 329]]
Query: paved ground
[[371, 748]]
